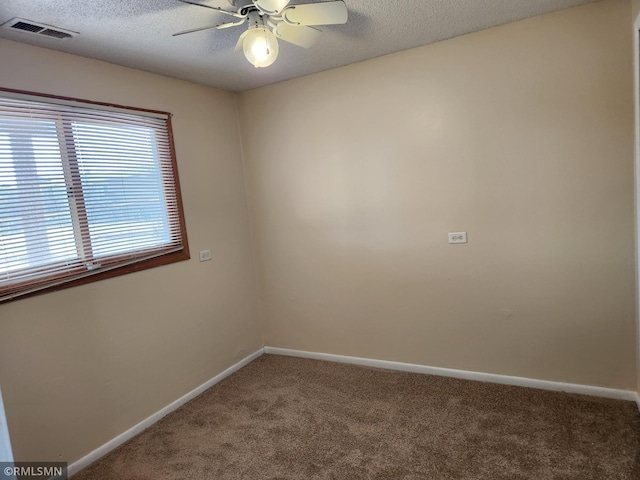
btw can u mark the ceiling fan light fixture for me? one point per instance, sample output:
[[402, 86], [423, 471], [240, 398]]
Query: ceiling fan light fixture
[[260, 47], [270, 20]]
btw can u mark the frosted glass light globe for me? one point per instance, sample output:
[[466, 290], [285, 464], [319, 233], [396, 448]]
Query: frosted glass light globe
[[260, 47]]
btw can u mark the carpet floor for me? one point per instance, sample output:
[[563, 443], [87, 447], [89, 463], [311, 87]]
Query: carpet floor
[[291, 418]]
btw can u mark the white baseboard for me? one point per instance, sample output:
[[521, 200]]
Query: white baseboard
[[464, 374], [99, 452]]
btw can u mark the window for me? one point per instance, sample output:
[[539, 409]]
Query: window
[[87, 191]]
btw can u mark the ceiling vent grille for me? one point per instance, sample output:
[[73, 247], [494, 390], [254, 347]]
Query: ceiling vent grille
[[38, 28]]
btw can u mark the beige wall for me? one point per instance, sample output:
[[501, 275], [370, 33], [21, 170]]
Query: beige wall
[[79, 367], [635, 12], [522, 136]]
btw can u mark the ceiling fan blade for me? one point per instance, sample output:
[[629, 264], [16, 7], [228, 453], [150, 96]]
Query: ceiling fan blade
[[218, 9], [303, 37], [184, 32], [240, 41], [323, 13], [271, 7], [220, 26]]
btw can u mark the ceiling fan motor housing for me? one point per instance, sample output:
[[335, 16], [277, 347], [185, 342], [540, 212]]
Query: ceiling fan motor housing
[[255, 20]]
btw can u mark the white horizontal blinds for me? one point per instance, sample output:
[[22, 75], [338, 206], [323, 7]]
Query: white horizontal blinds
[[36, 229], [81, 190], [123, 189]]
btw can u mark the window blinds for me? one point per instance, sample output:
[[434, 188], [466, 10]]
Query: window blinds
[[82, 190]]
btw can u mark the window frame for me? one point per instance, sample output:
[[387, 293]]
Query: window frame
[[140, 265]]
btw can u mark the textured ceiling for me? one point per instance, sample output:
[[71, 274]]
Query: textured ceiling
[[137, 33]]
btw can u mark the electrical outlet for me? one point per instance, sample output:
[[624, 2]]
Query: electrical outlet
[[458, 237], [205, 255]]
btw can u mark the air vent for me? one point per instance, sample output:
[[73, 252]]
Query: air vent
[[27, 27], [38, 28], [55, 33]]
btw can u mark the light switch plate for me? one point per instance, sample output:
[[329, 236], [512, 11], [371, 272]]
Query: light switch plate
[[205, 255], [457, 237]]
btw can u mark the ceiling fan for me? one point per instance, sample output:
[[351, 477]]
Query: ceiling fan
[[270, 20]]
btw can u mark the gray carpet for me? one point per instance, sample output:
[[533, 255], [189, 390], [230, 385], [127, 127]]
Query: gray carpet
[[291, 418]]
